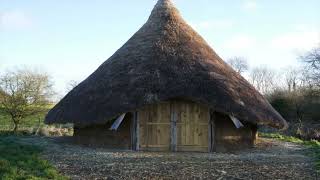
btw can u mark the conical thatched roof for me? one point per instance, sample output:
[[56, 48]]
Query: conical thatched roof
[[166, 59]]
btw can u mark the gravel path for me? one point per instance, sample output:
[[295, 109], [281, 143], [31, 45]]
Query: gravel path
[[271, 159]]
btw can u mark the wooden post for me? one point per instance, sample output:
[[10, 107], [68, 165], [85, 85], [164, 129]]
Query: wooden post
[[132, 129], [135, 131], [211, 133], [254, 135], [173, 125], [131, 132]]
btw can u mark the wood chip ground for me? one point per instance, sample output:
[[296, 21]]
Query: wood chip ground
[[271, 159]]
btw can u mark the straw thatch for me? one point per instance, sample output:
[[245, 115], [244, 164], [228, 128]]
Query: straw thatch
[[166, 59]]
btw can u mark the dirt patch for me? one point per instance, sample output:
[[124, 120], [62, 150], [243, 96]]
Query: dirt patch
[[271, 159]]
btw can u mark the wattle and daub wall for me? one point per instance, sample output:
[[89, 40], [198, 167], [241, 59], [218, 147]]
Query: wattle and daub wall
[[228, 137], [101, 136], [194, 131]]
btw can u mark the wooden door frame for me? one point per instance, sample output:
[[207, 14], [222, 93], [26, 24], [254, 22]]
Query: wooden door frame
[[173, 127]]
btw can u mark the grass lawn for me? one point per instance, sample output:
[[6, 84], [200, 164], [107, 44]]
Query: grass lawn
[[31, 121], [313, 145], [21, 161]]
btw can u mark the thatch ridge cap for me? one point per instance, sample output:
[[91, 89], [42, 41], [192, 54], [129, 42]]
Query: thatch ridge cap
[[164, 8]]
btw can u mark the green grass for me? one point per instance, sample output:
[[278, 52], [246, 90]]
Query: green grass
[[23, 162], [313, 145], [6, 122], [281, 137], [32, 121]]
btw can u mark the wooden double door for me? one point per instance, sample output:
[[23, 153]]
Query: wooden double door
[[174, 126]]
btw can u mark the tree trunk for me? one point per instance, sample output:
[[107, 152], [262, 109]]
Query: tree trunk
[[16, 124], [15, 129]]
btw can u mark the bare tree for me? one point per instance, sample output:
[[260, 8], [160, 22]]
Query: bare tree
[[263, 78], [72, 84], [25, 93], [293, 78], [312, 61], [239, 64]]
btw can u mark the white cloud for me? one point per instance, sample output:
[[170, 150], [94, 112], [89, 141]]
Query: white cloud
[[240, 42], [298, 40], [14, 20], [250, 5], [213, 24]]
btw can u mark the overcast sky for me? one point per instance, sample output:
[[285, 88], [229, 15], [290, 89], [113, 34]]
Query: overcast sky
[[71, 38]]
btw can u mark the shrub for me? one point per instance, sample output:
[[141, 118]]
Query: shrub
[[301, 109]]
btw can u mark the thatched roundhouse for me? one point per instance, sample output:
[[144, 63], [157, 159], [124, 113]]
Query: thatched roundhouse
[[165, 90]]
